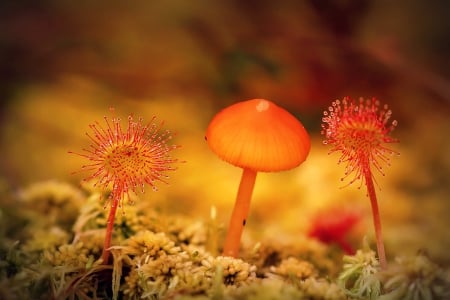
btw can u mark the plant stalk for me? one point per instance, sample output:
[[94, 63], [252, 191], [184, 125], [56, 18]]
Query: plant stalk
[[109, 230], [376, 216]]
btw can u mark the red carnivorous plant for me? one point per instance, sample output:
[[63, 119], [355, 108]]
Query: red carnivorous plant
[[360, 130], [126, 160]]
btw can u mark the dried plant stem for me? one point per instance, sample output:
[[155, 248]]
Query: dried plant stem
[[240, 213], [376, 215], [109, 230]]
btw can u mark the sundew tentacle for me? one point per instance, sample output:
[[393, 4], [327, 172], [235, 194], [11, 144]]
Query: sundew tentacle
[[359, 130]]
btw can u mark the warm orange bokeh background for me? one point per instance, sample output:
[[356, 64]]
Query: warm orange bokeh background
[[64, 64]]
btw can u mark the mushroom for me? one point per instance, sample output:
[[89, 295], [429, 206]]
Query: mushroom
[[257, 136]]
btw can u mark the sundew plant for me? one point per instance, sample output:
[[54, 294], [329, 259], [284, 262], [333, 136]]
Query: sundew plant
[[360, 132], [125, 160]]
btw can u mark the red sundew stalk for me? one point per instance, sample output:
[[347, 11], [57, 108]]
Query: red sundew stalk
[[127, 160], [359, 131], [109, 229], [376, 216]]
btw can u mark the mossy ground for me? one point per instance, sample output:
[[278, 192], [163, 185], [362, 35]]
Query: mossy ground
[[50, 249]]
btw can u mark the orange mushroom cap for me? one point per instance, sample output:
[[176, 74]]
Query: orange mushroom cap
[[259, 135]]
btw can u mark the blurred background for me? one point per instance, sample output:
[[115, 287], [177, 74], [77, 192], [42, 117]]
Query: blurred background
[[63, 64]]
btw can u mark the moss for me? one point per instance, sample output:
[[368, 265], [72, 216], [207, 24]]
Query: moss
[[52, 203], [359, 277], [415, 277], [272, 252], [267, 290], [157, 267], [322, 289], [163, 256]]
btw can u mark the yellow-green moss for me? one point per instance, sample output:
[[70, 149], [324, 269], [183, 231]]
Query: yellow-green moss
[[158, 255]]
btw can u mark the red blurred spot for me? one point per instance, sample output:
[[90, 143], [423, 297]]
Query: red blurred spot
[[333, 226]]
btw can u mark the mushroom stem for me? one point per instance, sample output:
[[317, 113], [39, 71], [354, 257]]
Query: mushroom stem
[[240, 213], [376, 216]]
